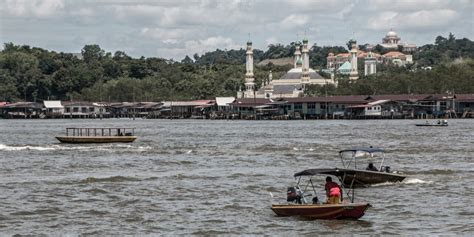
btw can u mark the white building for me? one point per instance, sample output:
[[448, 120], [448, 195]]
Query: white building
[[392, 41], [53, 108]]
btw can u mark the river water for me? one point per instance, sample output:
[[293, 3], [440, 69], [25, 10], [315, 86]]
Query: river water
[[203, 177]]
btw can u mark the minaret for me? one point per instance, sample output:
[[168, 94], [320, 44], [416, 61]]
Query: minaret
[[305, 68], [297, 55], [249, 77], [353, 75], [269, 88], [370, 66]]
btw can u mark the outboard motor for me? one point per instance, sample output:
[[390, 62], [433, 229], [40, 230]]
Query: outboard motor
[[293, 195], [387, 169]]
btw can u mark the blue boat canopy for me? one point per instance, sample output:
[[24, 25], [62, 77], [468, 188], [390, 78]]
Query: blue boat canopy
[[365, 149]]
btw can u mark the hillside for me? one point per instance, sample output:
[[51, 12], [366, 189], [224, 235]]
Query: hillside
[[36, 74]]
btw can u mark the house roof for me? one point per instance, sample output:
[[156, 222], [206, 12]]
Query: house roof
[[187, 103], [53, 104], [76, 103], [465, 97], [250, 102], [393, 54], [33, 105], [224, 101]]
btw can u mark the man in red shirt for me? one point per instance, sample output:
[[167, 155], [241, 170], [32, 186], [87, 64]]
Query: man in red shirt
[[333, 191]]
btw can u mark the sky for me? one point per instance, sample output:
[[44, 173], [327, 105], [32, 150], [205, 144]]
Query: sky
[[173, 29]]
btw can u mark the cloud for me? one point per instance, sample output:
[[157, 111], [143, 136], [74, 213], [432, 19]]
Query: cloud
[[210, 44], [294, 20], [177, 28], [414, 5], [37, 8], [413, 20]]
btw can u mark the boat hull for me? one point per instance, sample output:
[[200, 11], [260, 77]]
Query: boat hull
[[431, 125], [96, 139], [322, 211], [363, 178]]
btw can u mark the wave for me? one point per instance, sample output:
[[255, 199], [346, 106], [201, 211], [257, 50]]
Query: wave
[[415, 181], [406, 181], [4, 147]]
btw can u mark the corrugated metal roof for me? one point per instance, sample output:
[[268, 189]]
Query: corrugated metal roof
[[224, 101], [52, 104]]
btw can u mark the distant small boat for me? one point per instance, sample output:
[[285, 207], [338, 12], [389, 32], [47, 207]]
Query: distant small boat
[[440, 123], [98, 135]]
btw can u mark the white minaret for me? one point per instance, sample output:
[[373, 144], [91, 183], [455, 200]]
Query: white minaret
[[354, 75], [298, 61], [305, 68], [370, 65], [249, 77], [269, 88]]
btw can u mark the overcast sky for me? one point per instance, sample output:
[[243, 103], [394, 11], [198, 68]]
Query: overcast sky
[[175, 28]]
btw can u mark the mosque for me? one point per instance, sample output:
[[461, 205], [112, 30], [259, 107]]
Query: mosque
[[343, 63], [291, 84]]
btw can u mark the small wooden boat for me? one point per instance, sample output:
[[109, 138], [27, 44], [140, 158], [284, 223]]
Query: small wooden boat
[[98, 135], [440, 123], [322, 211], [376, 172], [298, 205]]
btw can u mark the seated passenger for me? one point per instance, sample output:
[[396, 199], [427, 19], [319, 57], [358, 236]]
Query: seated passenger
[[333, 191], [371, 167]]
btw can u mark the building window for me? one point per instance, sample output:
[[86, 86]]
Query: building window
[[311, 106], [298, 106], [91, 109], [84, 110], [75, 109], [323, 106], [68, 110]]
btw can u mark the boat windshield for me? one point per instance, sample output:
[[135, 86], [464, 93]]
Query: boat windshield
[[370, 159]]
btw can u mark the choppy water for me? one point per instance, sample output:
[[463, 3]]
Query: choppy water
[[214, 177]]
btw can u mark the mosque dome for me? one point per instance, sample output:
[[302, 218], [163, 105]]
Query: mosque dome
[[299, 62], [391, 33]]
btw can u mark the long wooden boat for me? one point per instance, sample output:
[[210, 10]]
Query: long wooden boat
[[98, 135], [322, 211], [430, 125], [440, 123]]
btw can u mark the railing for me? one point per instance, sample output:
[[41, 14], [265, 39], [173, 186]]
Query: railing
[[82, 132]]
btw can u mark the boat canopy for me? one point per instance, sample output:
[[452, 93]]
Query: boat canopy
[[365, 149], [335, 172]]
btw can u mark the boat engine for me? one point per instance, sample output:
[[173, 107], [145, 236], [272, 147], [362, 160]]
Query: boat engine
[[386, 169], [294, 194]]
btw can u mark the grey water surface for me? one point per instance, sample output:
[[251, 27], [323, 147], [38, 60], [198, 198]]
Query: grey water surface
[[203, 177]]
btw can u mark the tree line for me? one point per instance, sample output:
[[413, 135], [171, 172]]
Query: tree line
[[31, 73]]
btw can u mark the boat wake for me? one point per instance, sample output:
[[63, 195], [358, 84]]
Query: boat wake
[[4, 147], [406, 181], [415, 181], [110, 148]]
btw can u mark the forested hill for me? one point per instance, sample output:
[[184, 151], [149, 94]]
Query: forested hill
[[36, 74]]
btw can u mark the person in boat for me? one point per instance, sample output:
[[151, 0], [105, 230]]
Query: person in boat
[[333, 191], [371, 167]]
